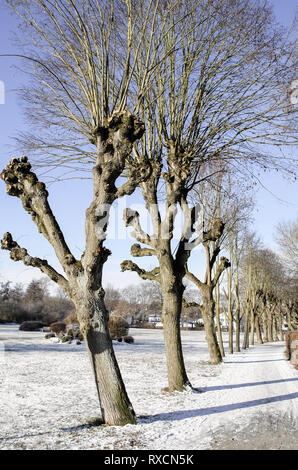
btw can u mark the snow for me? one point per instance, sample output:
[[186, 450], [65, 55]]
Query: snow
[[48, 396]]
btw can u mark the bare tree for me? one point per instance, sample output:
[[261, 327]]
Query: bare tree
[[82, 57], [11, 308], [237, 207], [112, 297], [236, 252], [252, 245], [225, 198], [140, 300], [208, 285], [286, 236], [264, 279], [221, 97]]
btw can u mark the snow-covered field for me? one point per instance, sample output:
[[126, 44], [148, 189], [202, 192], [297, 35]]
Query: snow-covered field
[[48, 397]]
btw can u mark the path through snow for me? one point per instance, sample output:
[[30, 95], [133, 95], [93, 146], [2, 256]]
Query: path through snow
[[48, 397]]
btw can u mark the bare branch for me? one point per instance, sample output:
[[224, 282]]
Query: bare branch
[[215, 232], [132, 218], [137, 251], [18, 253], [215, 253], [153, 275], [194, 279], [137, 173], [24, 184], [190, 304], [224, 264]]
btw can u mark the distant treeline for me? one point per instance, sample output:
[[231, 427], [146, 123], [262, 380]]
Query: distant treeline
[[19, 303], [34, 302]]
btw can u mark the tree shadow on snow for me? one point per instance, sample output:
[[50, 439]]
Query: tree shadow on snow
[[248, 384], [71, 429], [184, 414], [53, 347], [252, 362]]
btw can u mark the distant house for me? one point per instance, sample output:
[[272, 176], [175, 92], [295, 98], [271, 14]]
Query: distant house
[[191, 323], [154, 318]]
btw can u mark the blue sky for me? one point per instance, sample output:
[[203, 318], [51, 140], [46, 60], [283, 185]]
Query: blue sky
[[70, 199]]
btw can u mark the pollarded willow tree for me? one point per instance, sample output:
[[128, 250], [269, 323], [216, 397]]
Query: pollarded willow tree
[[264, 280], [225, 207], [221, 97], [236, 247], [82, 57]]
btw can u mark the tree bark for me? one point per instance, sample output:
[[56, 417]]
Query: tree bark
[[269, 326], [218, 325], [289, 320], [258, 330], [237, 298], [230, 310], [252, 328], [115, 406], [245, 343], [231, 328], [281, 332], [274, 328], [237, 333], [171, 276], [177, 377], [208, 319], [265, 326]]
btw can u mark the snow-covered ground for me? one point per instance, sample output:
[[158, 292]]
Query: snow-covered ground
[[48, 397]]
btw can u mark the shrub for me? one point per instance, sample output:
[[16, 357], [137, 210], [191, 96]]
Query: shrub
[[128, 339], [118, 326], [58, 327]]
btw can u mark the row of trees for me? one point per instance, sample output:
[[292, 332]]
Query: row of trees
[[161, 96], [36, 302], [259, 292]]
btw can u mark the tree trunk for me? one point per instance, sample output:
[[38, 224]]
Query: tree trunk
[[290, 326], [115, 406], [219, 332], [230, 311], [237, 333], [245, 343], [208, 319], [171, 313], [269, 326], [231, 327], [281, 332], [274, 328], [265, 326], [237, 309], [252, 328], [258, 330]]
